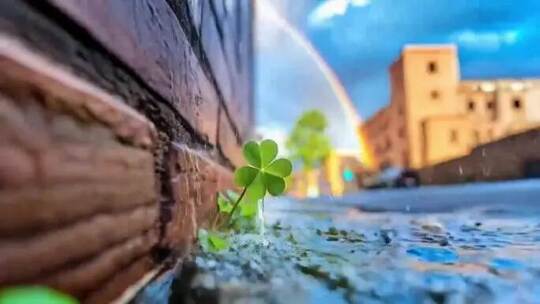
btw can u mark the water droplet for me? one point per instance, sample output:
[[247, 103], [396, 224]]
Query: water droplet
[[500, 264], [433, 254]]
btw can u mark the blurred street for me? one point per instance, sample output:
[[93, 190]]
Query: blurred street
[[509, 197], [476, 243]]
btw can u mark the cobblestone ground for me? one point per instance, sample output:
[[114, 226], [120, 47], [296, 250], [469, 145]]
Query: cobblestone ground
[[320, 252]]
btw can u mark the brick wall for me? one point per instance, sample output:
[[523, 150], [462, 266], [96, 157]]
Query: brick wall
[[504, 159], [119, 120]]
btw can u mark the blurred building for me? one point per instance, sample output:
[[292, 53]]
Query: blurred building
[[337, 175], [340, 171], [433, 116]]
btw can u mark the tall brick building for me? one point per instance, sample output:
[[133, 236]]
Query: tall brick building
[[433, 116]]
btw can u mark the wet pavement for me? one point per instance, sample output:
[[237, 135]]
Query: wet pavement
[[330, 251]]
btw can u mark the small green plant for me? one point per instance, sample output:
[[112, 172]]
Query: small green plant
[[262, 174], [308, 142], [34, 295], [212, 241]]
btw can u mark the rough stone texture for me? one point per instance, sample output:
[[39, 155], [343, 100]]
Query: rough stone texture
[[82, 277], [227, 143], [119, 121], [223, 30], [120, 282], [77, 177], [149, 37], [195, 180], [500, 160]]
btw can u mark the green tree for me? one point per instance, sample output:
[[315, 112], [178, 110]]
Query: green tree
[[308, 142]]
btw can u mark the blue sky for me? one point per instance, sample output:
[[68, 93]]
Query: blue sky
[[361, 38], [495, 38]]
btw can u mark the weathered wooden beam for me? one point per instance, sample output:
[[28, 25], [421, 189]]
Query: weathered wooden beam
[[77, 177]]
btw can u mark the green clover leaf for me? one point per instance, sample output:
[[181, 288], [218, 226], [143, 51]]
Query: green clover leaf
[[218, 243], [263, 172], [244, 176], [275, 184], [249, 209], [252, 153], [257, 189], [280, 167], [269, 150], [34, 295], [224, 204], [212, 241]]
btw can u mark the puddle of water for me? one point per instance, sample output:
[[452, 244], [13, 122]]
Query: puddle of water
[[433, 254], [351, 257]]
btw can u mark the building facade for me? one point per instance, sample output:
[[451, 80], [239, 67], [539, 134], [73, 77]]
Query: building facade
[[433, 116]]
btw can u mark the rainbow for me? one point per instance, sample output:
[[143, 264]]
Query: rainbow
[[263, 6]]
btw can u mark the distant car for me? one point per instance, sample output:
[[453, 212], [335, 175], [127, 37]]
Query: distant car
[[393, 177]]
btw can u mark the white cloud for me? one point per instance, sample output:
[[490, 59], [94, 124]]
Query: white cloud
[[331, 8]]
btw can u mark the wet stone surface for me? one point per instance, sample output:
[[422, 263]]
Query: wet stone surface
[[329, 253]]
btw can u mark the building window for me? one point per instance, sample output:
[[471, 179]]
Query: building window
[[490, 105], [432, 67], [471, 105], [516, 103], [435, 94], [454, 136]]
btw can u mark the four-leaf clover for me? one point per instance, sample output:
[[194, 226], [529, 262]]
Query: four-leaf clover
[[263, 172]]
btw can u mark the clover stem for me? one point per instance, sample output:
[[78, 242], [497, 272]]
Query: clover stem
[[215, 221], [236, 205]]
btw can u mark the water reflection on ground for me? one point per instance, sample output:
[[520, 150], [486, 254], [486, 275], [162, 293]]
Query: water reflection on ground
[[330, 253]]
